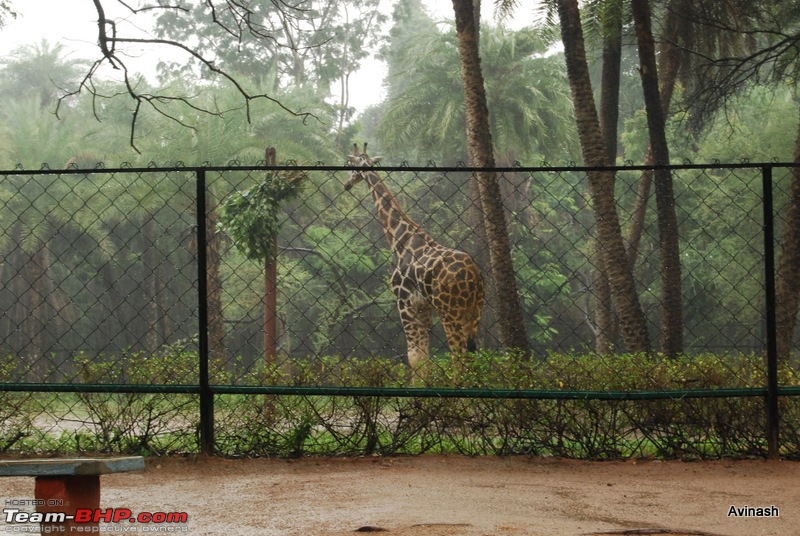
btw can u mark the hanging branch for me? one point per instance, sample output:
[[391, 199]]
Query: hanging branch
[[109, 42]]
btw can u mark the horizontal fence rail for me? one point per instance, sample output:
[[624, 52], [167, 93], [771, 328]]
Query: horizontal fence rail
[[139, 314]]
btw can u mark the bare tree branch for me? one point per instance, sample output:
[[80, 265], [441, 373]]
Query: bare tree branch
[[733, 50], [150, 8], [109, 42]]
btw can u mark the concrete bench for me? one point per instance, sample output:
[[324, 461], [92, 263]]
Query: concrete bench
[[64, 485]]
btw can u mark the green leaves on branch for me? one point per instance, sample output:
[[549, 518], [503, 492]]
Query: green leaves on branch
[[250, 217]]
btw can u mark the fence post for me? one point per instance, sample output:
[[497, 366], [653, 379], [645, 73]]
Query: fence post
[[773, 418], [206, 396]]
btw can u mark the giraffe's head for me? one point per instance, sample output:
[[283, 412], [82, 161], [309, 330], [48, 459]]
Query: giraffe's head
[[360, 160]]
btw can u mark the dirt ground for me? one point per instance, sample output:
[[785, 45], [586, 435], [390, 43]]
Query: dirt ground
[[451, 495]]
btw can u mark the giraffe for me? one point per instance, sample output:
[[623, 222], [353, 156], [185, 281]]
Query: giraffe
[[428, 277]]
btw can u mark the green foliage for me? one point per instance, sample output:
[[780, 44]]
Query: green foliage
[[307, 41], [16, 411], [342, 247], [295, 425], [526, 91], [761, 125], [145, 423], [250, 217]]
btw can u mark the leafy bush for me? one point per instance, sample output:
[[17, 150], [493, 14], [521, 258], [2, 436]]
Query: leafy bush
[[141, 422], [565, 421], [16, 411]]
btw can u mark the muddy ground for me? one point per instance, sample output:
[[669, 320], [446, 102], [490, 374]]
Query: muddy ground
[[451, 495]]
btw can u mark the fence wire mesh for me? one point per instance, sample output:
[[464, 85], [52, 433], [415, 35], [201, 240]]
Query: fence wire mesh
[[99, 287]]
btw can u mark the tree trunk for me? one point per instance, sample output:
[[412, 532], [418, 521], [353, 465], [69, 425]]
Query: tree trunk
[[787, 283], [601, 183], [479, 145], [271, 284], [488, 335], [670, 59], [640, 211], [605, 322], [216, 324], [609, 88], [671, 302], [271, 306], [36, 275], [150, 284]]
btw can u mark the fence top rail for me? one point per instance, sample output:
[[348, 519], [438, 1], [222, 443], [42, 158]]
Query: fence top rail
[[320, 166], [403, 392]]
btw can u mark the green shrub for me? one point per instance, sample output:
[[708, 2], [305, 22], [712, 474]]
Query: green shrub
[[565, 422], [16, 411], [144, 423]]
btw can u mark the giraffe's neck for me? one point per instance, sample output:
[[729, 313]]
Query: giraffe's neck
[[405, 236]]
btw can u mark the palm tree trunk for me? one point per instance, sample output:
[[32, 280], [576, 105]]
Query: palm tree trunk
[[670, 60], [601, 183], [640, 210], [479, 145], [787, 284], [488, 336], [605, 322], [671, 302], [610, 83]]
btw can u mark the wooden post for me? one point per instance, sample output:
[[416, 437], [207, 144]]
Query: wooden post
[[271, 306], [271, 289]]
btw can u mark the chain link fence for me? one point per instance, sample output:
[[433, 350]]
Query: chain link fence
[[109, 340]]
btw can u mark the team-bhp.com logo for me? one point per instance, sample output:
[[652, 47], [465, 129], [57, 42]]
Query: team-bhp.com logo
[[159, 521]]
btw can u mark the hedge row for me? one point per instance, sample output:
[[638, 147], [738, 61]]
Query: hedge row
[[291, 425]]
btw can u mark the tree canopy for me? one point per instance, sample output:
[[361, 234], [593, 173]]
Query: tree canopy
[[274, 73]]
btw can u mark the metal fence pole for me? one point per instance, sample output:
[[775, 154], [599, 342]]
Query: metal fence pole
[[206, 396], [773, 418]]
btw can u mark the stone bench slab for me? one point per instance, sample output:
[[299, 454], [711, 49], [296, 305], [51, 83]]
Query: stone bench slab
[[70, 466]]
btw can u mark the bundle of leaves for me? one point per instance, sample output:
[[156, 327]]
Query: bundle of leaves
[[250, 217]]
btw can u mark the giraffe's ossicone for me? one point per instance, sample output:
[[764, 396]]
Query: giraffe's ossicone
[[428, 277]]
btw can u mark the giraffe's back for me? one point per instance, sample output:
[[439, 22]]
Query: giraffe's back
[[454, 285]]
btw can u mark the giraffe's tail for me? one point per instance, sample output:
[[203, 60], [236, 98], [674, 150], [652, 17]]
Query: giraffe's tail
[[472, 345]]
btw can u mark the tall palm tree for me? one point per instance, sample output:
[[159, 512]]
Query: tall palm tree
[[601, 183], [612, 28], [526, 91], [481, 153], [690, 34], [43, 69], [670, 264]]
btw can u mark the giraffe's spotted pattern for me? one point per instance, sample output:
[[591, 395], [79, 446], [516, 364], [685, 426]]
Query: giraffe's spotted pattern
[[428, 278]]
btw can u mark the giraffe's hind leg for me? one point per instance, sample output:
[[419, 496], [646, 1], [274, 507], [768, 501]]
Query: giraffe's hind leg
[[458, 293], [457, 336], [415, 316], [460, 339], [461, 329]]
